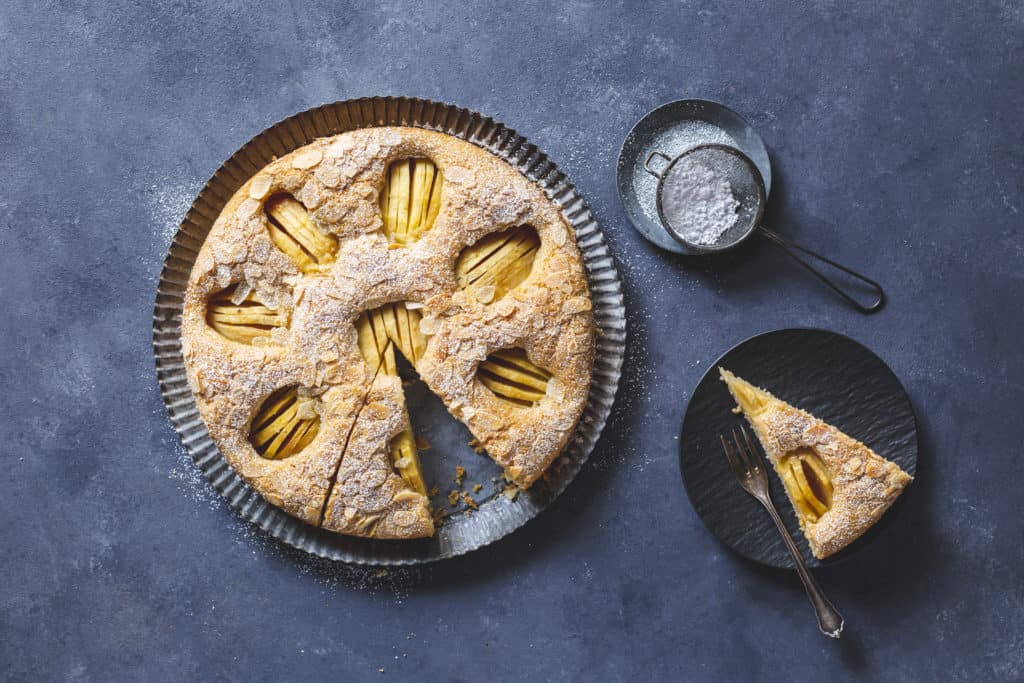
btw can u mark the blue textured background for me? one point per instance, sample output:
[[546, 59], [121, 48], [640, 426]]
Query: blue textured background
[[895, 131]]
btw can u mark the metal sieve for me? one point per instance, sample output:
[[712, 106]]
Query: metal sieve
[[748, 188]]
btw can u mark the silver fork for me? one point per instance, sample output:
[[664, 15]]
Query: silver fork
[[746, 465]]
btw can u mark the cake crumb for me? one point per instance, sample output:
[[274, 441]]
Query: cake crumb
[[434, 490], [510, 492], [468, 500], [477, 488], [460, 474], [453, 497]]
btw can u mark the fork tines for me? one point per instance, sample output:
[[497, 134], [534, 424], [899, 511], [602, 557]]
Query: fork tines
[[743, 458]]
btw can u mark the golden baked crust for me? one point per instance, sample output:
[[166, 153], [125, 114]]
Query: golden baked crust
[[307, 309], [838, 486]]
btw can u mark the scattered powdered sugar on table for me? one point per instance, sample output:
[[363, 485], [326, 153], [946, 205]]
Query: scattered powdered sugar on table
[[697, 202]]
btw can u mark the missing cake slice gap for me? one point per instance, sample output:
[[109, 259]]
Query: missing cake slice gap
[[837, 485]]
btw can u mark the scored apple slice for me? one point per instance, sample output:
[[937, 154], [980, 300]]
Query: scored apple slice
[[502, 260], [240, 316], [513, 377], [410, 200], [293, 231], [405, 459], [284, 425]]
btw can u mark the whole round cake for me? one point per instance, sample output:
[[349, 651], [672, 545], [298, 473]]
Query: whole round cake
[[335, 259]]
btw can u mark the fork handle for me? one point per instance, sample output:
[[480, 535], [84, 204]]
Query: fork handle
[[829, 620]]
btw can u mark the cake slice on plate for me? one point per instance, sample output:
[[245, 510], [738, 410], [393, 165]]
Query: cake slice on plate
[[838, 486]]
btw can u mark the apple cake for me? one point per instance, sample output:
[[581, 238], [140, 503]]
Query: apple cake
[[333, 260], [837, 485]]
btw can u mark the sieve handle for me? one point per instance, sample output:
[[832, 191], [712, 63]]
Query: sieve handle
[[792, 248], [652, 171]]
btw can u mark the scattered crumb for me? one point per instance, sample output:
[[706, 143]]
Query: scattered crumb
[[421, 443], [434, 491], [477, 487], [468, 500], [510, 492], [460, 474], [453, 497], [380, 573]]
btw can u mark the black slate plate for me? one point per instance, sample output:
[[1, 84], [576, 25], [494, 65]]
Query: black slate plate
[[832, 377]]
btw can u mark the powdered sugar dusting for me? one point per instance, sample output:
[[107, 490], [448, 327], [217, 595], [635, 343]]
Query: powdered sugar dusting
[[697, 202]]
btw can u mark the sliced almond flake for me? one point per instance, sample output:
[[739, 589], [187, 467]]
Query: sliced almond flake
[[375, 478], [404, 518], [406, 495], [429, 325], [366, 191], [329, 176], [560, 237], [279, 335], [223, 276], [305, 409], [485, 294], [341, 147], [413, 305], [505, 308], [308, 159], [488, 421], [556, 389], [510, 492], [260, 186], [242, 292], [577, 304], [247, 208]]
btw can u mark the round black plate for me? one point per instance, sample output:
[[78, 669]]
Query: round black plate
[[830, 376]]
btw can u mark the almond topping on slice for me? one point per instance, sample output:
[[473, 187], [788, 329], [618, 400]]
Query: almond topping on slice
[[259, 187], [307, 159]]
